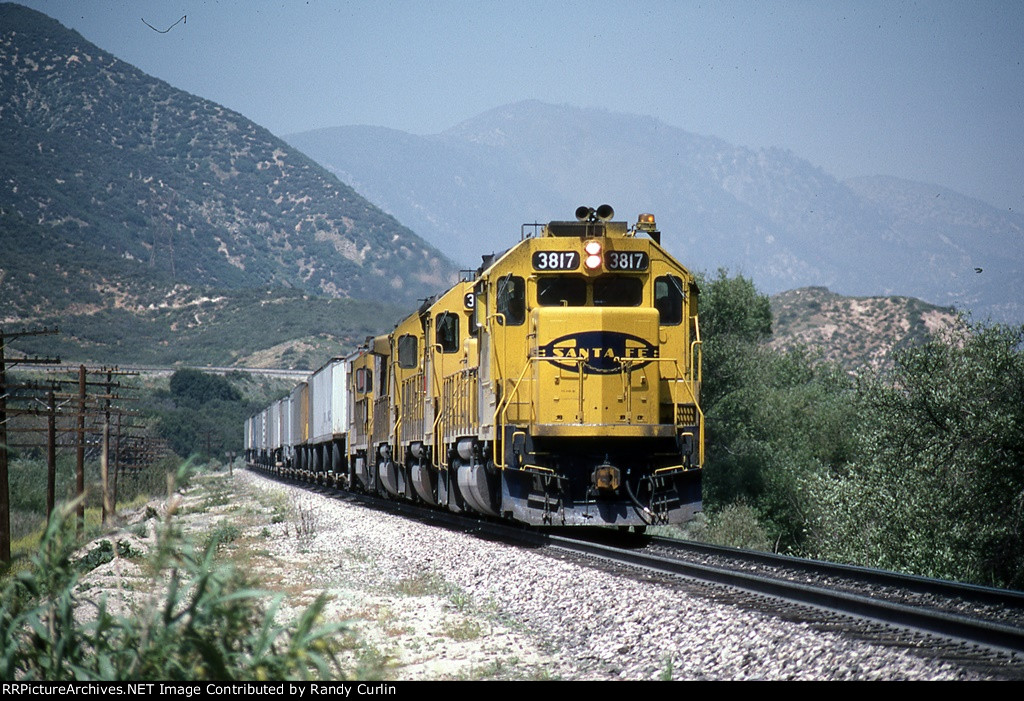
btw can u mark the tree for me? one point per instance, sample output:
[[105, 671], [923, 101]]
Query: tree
[[199, 387], [206, 415], [773, 419], [940, 487], [734, 320]]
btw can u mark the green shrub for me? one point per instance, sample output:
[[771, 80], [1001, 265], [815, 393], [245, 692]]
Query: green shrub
[[207, 624], [737, 525], [939, 489], [774, 420]]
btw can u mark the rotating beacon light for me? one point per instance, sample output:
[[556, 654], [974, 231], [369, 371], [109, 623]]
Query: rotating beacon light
[[593, 258]]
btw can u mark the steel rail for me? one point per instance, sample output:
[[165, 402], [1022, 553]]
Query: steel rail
[[964, 628], [908, 582]]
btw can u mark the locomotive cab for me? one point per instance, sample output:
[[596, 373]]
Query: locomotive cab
[[593, 376]]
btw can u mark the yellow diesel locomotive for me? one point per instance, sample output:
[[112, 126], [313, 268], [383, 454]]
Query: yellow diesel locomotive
[[558, 385]]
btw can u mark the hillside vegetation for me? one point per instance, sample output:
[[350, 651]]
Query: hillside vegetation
[[117, 165], [854, 331], [125, 202], [198, 326], [917, 466]]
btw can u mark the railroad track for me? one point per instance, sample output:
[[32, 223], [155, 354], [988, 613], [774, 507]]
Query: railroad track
[[967, 624], [1001, 609], [975, 615]]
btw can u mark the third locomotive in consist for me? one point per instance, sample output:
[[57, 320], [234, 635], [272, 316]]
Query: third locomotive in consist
[[558, 385]]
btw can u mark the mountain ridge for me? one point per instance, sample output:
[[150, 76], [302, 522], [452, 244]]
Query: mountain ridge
[[855, 332], [767, 212], [97, 154]]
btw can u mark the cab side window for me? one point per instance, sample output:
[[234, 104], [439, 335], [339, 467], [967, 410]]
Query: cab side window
[[408, 352], [447, 332], [511, 300], [668, 299]]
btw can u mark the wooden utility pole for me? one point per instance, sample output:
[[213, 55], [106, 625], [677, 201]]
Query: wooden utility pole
[[117, 460], [106, 509], [88, 409], [5, 496], [109, 480], [80, 454], [51, 454]]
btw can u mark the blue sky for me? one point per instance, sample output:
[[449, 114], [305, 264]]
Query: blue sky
[[930, 91]]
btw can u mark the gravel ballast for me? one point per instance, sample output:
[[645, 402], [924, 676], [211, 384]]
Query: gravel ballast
[[426, 603]]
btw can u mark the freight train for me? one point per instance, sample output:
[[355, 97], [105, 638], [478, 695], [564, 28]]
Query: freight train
[[558, 385]]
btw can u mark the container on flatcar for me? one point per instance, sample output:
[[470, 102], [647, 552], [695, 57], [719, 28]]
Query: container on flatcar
[[320, 403], [247, 439], [299, 422], [260, 442], [287, 440], [328, 414]]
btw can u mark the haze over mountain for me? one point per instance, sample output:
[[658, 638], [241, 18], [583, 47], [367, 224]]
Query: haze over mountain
[[766, 213], [114, 184], [143, 219]]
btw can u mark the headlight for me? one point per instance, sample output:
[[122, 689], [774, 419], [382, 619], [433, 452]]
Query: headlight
[[593, 251]]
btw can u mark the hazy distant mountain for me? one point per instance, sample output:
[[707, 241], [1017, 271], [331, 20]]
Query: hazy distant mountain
[[765, 213], [114, 186]]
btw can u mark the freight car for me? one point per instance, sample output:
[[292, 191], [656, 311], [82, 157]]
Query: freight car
[[559, 384]]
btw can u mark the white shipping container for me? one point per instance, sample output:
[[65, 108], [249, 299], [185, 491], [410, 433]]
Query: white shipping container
[[286, 422], [339, 396], [300, 413], [275, 425], [320, 403], [260, 425]]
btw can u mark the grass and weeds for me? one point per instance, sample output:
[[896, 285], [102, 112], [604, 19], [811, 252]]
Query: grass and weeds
[[223, 533], [736, 525], [462, 629], [206, 619], [425, 584], [306, 520]]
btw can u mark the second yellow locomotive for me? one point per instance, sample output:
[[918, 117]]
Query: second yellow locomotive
[[559, 385]]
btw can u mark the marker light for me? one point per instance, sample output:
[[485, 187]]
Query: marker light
[[593, 251], [645, 222]]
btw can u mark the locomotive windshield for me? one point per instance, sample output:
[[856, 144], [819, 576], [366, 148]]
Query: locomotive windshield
[[607, 291], [618, 291], [562, 291]]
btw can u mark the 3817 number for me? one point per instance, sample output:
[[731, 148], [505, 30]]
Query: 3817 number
[[626, 260], [556, 260]]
